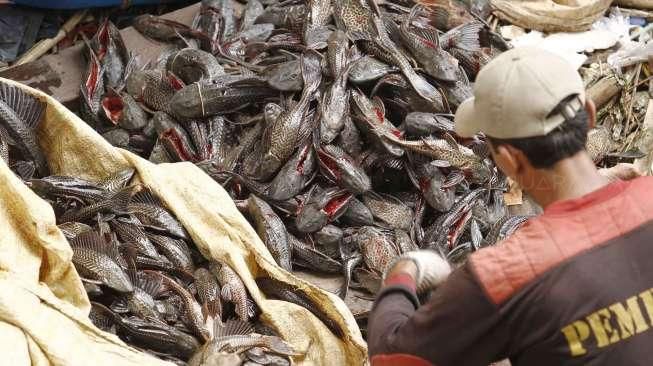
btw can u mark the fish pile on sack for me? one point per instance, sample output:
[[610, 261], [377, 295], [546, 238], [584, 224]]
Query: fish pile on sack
[[145, 277], [147, 281], [329, 123]]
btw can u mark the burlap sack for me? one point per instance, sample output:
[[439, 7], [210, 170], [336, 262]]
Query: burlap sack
[[551, 15], [637, 4], [212, 220]]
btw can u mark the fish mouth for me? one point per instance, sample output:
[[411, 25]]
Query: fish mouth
[[113, 108], [337, 204]]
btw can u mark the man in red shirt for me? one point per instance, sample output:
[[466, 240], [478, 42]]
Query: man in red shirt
[[573, 286]]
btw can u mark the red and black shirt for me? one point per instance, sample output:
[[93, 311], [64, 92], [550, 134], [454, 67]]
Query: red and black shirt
[[573, 286]]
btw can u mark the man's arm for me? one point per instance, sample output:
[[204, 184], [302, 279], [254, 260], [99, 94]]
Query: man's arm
[[457, 326]]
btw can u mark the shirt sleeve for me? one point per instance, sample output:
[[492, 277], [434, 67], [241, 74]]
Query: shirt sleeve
[[458, 325]]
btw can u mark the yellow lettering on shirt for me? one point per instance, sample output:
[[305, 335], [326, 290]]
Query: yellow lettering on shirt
[[629, 317], [610, 325], [603, 332], [576, 333], [647, 299]]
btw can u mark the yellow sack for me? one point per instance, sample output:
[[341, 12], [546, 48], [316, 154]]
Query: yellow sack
[[638, 4], [73, 148], [551, 15]]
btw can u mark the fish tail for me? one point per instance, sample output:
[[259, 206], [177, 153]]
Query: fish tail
[[465, 36], [121, 200], [232, 327], [212, 308], [29, 111], [311, 71], [27, 107]]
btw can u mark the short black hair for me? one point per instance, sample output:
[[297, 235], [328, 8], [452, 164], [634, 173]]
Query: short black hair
[[545, 151]]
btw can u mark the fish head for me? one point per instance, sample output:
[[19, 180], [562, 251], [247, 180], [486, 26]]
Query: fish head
[[357, 213], [40, 186], [137, 81], [311, 217], [119, 282], [188, 102], [440, 199], [271, 112], [269, 165]]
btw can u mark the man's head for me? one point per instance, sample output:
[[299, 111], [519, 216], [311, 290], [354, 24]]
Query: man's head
[[531, 106]]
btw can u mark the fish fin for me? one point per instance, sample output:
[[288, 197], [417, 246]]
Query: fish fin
[[251, 307], [132, 270], [451, 141], [454, 178], [91, 240], [357, 36], [113, 250], [205, 311], [465, 36], [24, 169], [105, 310], [28, 108], [481, 149], [226, 293], [476, 234], [429, 37], [132, 64], [311, 70], [440, 163], [145, 196], [376, 11], [151, 285], [306, 129], [232, 327], [634, 153], [121, 199], [120, 306], [212, 309], [192, 288], [412, 176], [334, 150], [379, 107], [394, 163]]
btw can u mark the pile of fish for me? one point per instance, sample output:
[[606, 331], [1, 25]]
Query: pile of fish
[[147, 280], [149, 283], [329, 123]]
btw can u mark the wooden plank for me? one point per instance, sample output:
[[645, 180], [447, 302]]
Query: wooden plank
[[60, 75]]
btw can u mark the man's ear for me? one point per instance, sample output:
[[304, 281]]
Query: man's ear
[[506, 158], [590, 107]]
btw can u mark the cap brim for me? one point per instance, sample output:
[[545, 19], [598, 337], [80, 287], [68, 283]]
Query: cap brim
[[466, 123]]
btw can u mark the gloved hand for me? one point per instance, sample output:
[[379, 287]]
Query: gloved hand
[[431, 269], [621, 171]]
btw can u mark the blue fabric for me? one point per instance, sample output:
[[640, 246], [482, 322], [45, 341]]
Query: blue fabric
[[78, 4]]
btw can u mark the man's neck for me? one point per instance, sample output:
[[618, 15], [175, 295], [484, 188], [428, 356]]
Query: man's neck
[[570, 178]]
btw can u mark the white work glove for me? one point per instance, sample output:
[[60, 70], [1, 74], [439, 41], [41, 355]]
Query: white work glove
[[432, 269]]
